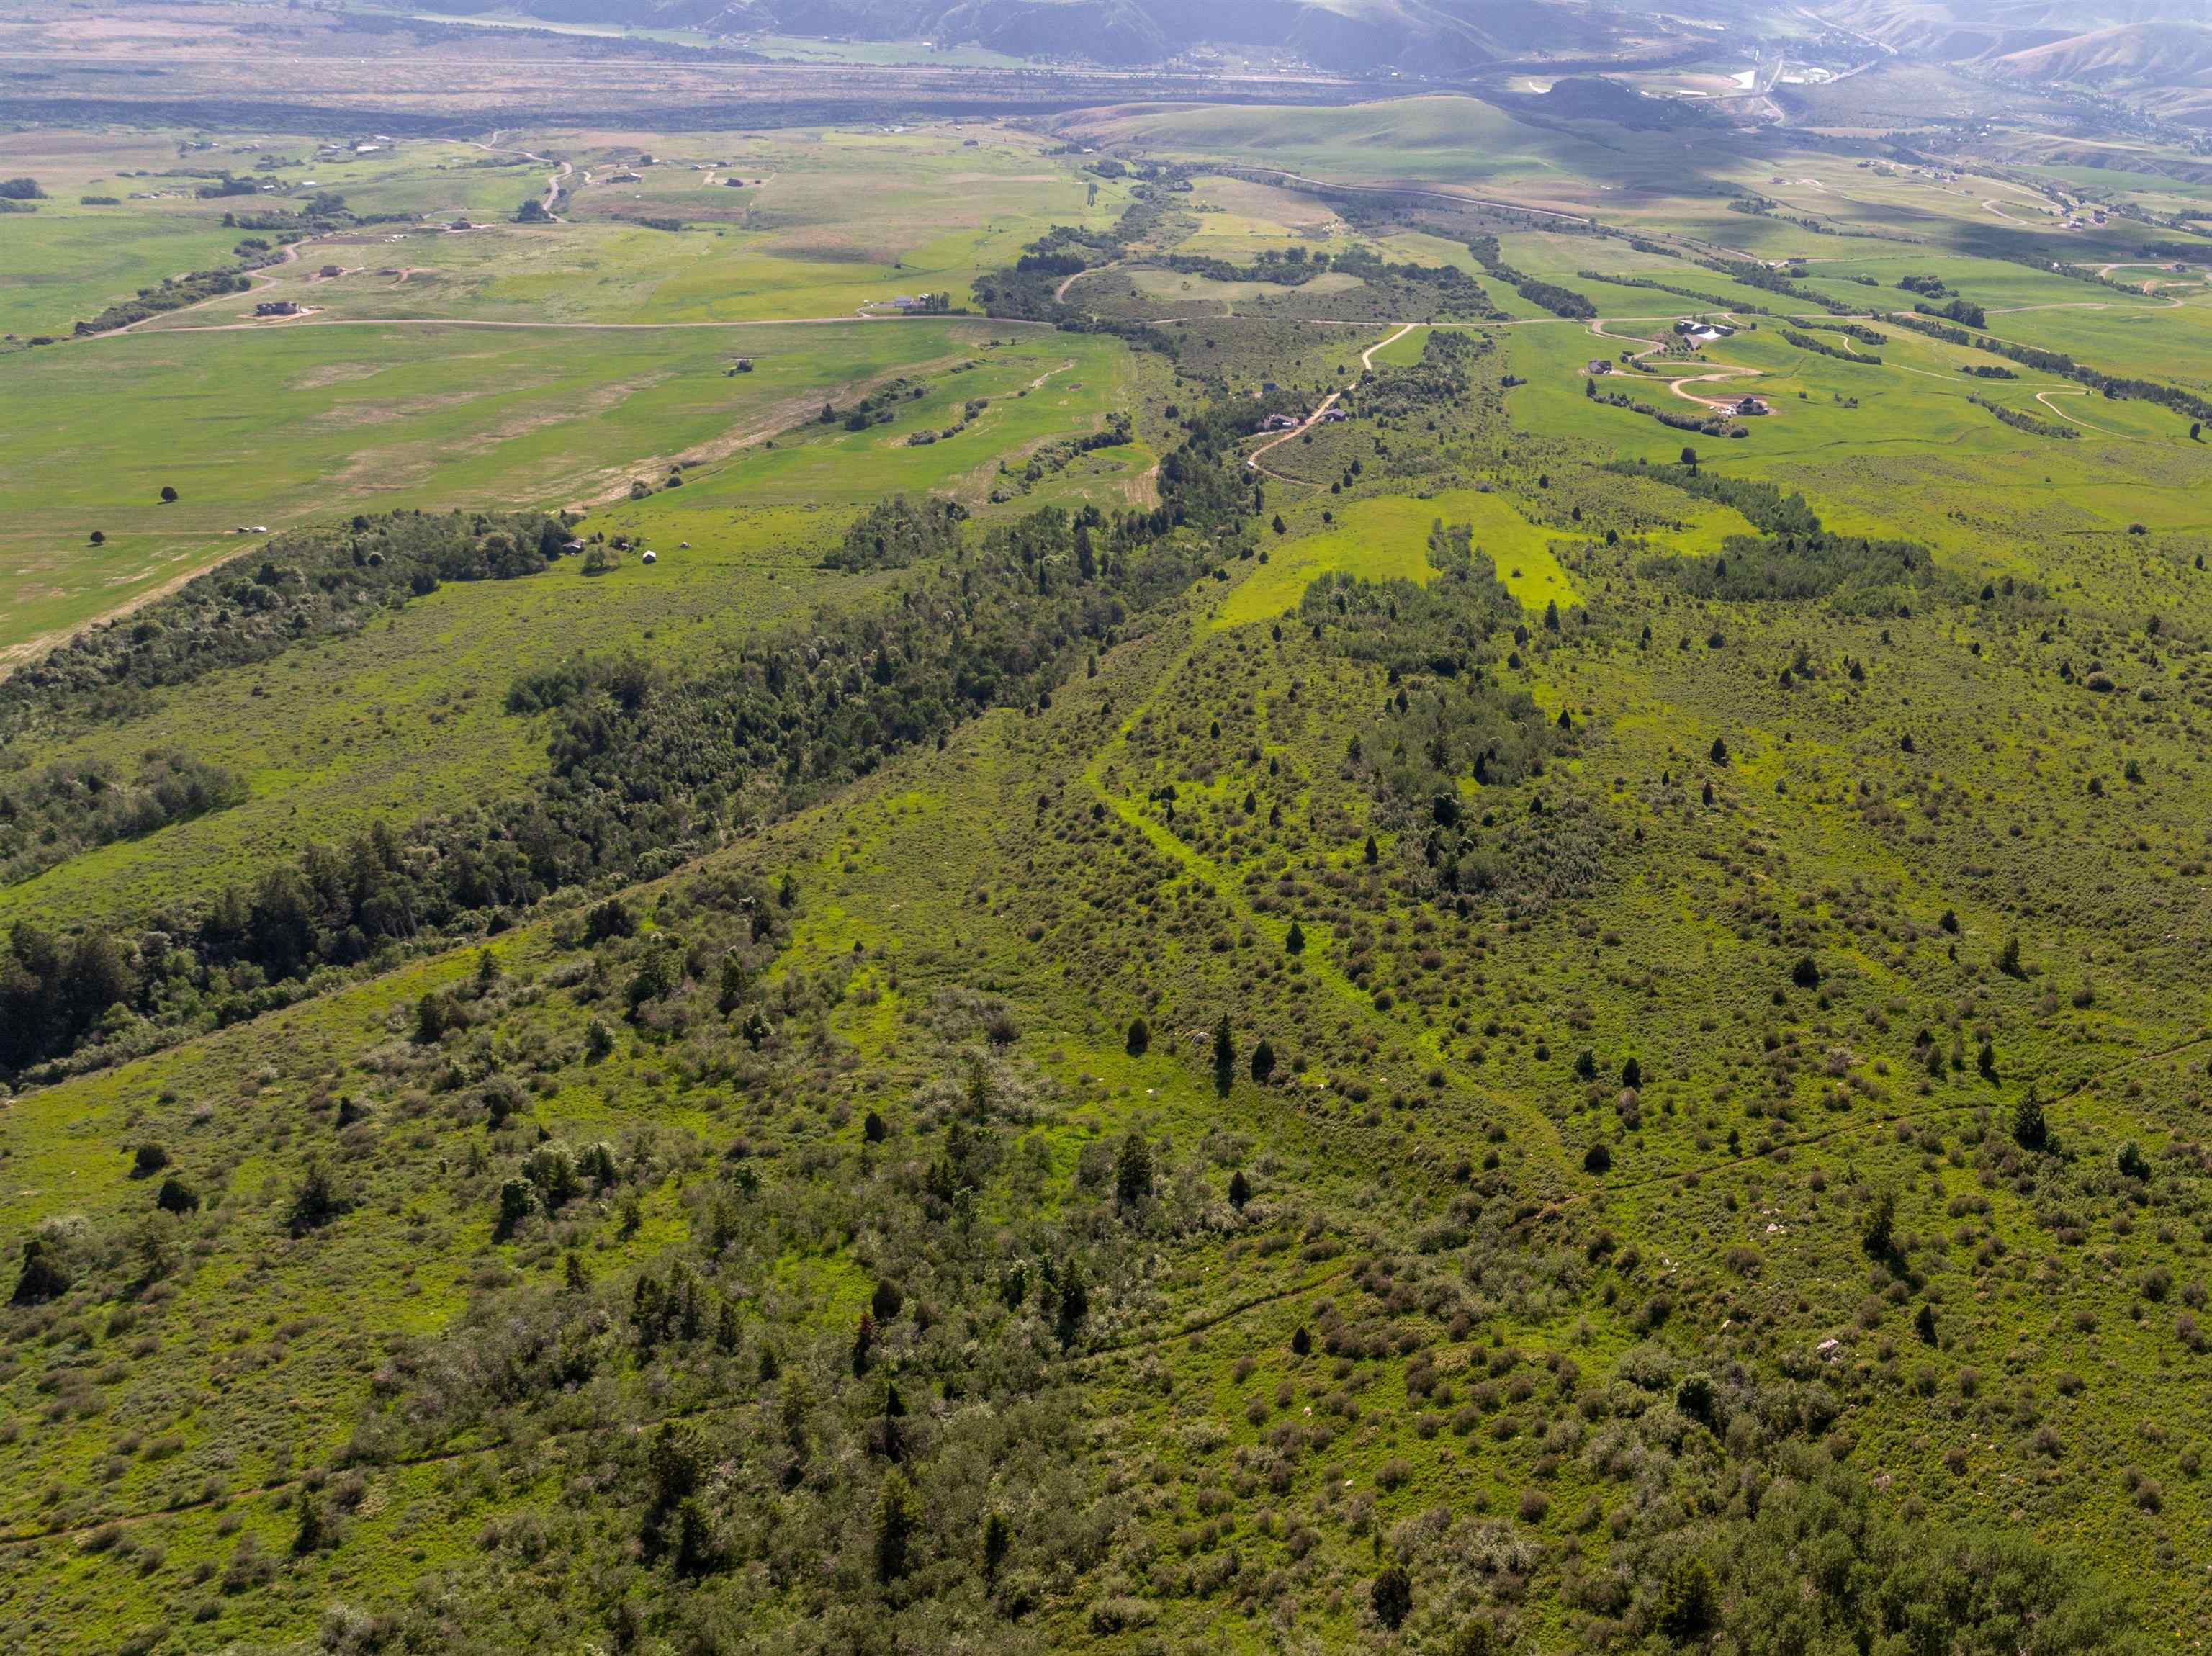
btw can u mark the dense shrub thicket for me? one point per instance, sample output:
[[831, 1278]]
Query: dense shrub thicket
[[1449, 731], [51, 814], [1864, 576], [1795, 558], [1442, 377], [899, 532]]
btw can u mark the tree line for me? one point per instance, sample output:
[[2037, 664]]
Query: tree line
[[646, 768]]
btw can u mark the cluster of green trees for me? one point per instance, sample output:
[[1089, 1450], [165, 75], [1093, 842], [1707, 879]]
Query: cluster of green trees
[[1853, 571], [1447, 723], [1717, 301], [1760, 501], [1753, 274], [1709, 424], [899, 532], [1062, 451], [1028, 289], [49, 816], [1805, 341], [1440, 379], [1286, 269], [1923, 324], [1857, 331], [2026, 423], [1815, 1562], [172, 293], [1956, 309]]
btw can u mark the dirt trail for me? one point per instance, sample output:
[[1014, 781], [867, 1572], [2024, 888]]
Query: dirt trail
[[562, 170], [1366, 365], [2044, 396], [257, 278], [1059, 293], [1367, 356], [15, 655], [1298, 430]]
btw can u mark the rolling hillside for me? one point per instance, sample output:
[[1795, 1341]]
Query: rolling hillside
[[2147, 54]]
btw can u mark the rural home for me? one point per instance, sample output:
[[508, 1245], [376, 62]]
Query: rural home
[[277, 307]]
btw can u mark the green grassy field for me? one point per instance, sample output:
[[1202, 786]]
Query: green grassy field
[[1428, 140], [358, 415], [1386, 538], [273, 428]]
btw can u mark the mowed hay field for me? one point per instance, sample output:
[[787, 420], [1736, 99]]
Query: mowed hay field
[[270, 427], [819, 224], [256, 423], [407, 718]]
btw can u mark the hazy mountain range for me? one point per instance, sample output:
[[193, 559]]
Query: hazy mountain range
[[2155, 52]]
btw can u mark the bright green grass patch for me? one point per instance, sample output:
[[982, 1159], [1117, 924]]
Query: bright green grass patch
[[1403, 351], [1386, 539], [64, 263]]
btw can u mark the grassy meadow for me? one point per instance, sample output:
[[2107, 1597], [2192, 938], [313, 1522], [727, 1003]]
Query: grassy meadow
[[1349, 1097]]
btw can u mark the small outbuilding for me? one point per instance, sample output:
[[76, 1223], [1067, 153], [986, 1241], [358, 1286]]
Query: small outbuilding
[[648, 557]]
